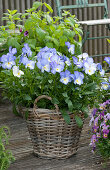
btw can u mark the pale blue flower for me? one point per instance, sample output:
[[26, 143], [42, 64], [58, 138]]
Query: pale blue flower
[[105, 85], [56, 67], [78, 77], [12, 50], [30, 64], [71, 47], [99, 67], [65, 77], [7, 61], [8, 64], [46, 53], [107, 59], [26, 50], [44, 65], [78, 63], [23, 60], [67, 61]]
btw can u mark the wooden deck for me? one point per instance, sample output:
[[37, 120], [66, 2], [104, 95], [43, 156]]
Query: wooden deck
[[21, 146]]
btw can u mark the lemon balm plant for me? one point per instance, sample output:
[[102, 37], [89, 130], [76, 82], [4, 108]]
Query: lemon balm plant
[[39, 29]]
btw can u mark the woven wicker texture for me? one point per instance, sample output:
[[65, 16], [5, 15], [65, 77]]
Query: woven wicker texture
[[50, 135]]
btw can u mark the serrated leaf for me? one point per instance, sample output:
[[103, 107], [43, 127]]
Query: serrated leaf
[[79, 121], [49, 7], [66, 116]]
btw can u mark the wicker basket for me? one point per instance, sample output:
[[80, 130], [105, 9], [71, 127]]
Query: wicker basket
[[50, 135]]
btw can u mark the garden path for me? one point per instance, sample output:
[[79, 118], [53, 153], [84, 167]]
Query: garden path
[[21, 147]]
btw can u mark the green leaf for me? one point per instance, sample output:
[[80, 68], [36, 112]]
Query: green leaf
[[48, 18], [15, 110], [66, 116], [26, 114], [49, 7], [31, 43], [79, 121], [12, 12], [27, 97], [65, 94], [70, 104], [85, 115], [85, 109], [55, 101], [63, 39], [37, 4], [88, 92], [50, 81], [108, 40], [40, 33], [13, 42], [49, 45]]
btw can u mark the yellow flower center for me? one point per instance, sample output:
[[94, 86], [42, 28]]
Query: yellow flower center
[[95, 130], [105, 86], [105, 135], [65, 79], [49, 59], [94, 140], [77, 81], [45, 67]]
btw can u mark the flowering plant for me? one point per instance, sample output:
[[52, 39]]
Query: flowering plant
[[72, 82], [58, 70], [101, 129]]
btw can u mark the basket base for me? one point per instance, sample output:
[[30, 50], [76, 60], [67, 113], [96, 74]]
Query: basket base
[[54, 156]]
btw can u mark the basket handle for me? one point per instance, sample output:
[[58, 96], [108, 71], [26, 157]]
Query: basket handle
[[44, 97]]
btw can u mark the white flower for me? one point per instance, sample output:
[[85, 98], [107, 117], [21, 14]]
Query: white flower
[[90, 68], [30, 64], [83, 56], [17, 72]]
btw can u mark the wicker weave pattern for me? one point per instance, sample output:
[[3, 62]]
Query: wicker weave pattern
[[50, 135]]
